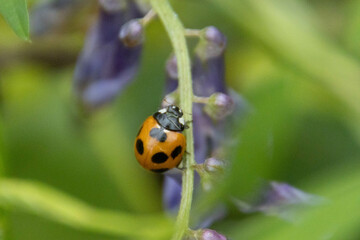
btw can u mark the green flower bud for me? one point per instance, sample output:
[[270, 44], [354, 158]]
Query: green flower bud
[[219, 106]]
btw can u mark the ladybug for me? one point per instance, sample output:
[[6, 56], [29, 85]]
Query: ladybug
[[160, 143]]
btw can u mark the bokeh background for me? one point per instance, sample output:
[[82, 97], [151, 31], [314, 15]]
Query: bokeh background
[[297, 64]]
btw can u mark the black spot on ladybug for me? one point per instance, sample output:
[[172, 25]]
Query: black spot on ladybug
[[159, 157], [159, 134], [160, 170], [140, 146], [176, 152], [139, 130]]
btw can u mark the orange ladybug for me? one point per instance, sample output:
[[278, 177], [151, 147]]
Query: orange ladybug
[[160, 143]]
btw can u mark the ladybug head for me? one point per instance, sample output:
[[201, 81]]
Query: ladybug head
[[174, 110], [170, 118]]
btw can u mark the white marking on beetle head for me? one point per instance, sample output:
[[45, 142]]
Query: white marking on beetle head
[[163, 110], [182, 121]]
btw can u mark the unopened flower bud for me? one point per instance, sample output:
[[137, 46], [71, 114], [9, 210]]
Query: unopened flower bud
[[210, 171], [106, 65], [214, 44], [280, 199], [215, 37], [112, 5], [219, 106], [132, 33], [170, 99], [208, 234], [212, 165]]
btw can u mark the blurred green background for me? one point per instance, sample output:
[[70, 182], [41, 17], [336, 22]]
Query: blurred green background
[[295, 62]]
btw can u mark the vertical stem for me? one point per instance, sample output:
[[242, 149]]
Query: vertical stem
[[176, 34]]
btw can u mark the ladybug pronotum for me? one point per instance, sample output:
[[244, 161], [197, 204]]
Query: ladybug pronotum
[[160, 143]]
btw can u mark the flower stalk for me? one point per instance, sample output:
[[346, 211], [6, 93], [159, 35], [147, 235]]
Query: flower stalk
[[176, 33], [193, 32]]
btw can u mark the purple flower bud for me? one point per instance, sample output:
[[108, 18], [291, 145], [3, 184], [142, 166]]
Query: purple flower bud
[[220, 105], [112, 5], [282, 193], [132, 33], [210, 172], [215, 37], [213, 165], [208, 234], [170, 99], [279, 199], [214, 44], [46, 17], [106, 65]]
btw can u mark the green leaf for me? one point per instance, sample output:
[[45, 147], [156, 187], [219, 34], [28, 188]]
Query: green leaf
[[352, 28], [16, 15], [39, 199]]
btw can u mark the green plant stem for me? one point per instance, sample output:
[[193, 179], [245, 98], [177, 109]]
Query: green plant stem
[[176, 34]]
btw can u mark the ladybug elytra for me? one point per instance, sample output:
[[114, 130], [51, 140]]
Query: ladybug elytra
[[160, 143]]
